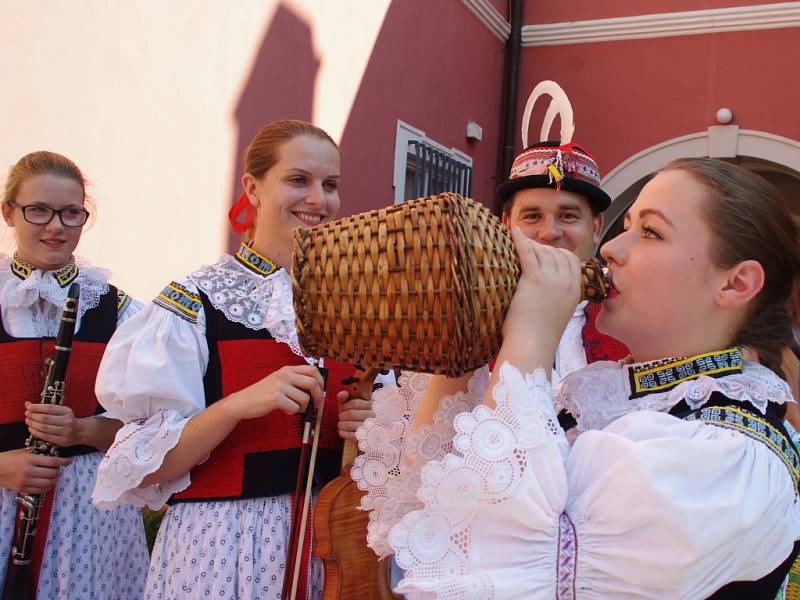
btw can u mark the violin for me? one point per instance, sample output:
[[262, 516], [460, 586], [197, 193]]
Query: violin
[[352, 569]]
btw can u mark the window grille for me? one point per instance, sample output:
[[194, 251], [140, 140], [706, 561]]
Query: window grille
[[430, 171]]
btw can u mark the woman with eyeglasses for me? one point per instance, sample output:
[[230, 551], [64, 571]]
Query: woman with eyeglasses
[[78, 551]]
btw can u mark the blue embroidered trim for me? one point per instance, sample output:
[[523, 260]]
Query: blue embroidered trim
[[254, 261], [665, 375], [758, 429], [177, 299]]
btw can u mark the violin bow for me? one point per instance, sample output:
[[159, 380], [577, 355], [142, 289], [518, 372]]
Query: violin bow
[[302, 495]]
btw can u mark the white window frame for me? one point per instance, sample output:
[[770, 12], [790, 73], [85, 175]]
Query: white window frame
[[408, 133]]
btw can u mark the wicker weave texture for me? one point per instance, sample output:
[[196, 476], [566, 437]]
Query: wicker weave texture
[[423, 285]]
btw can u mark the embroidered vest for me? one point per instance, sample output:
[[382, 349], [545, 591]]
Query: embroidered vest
[[260, 456], [23, 371]]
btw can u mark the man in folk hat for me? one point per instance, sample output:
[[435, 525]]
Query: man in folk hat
[[553, 195]]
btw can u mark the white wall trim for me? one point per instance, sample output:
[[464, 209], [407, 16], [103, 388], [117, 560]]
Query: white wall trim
[[738, 142], [693, 22], [775, 148], [489, 16], [778, 15]]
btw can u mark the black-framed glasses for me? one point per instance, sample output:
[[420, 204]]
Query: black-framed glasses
[[38, 214]]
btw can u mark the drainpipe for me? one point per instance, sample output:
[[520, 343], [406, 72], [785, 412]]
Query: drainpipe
[[508, 123]]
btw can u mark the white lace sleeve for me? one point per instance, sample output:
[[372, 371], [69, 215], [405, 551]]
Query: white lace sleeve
[[138, 450], [151, 379], [505, 482], [392, 454]]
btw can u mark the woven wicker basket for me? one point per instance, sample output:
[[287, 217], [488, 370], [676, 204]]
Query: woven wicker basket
[[424, 285]]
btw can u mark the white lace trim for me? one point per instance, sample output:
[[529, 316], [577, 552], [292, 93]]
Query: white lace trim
[[392, 454], [255, 301], [42, 285], [599, 394], [491, 450], [138, 450]]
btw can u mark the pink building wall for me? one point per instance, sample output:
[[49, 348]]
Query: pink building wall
[[435, 73], [631, 94], [433, 65]]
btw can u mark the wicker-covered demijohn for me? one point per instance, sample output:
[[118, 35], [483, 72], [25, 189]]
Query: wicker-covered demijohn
[[423, 285]]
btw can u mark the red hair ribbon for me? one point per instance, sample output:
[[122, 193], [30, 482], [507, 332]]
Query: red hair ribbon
[[241, 205]]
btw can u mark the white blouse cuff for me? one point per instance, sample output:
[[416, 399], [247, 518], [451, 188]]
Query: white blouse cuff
[[393, 455], [505, 474], [139, 450]]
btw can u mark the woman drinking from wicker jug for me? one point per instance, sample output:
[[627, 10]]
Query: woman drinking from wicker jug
[[77, 550], [211, 384], [683, 482]]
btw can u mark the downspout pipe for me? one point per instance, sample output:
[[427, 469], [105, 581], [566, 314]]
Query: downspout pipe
[[508, 113]]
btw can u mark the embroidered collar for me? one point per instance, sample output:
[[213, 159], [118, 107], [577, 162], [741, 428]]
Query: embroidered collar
[[64, 276], [258, 263], [602, 392], [21, 268], [67, 274], [244, 295], [26, 292], [663, 375]]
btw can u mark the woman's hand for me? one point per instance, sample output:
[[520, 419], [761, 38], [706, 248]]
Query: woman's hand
[[547, 293], [352, 413], [289, 389], [53, 423], [22, 471]]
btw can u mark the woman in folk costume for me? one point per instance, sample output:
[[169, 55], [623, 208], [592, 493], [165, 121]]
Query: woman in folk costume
[[682, 482], [78, 551], [209, 380]]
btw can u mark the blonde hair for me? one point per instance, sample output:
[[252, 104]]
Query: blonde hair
[[41, 162]]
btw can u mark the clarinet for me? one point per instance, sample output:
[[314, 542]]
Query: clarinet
[[17, 581]]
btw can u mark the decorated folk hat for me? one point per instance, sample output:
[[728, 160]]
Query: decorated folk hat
[[558, 166]]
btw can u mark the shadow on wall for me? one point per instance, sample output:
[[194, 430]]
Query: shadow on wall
[[280, 86], [434, 73], [449, 74]]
